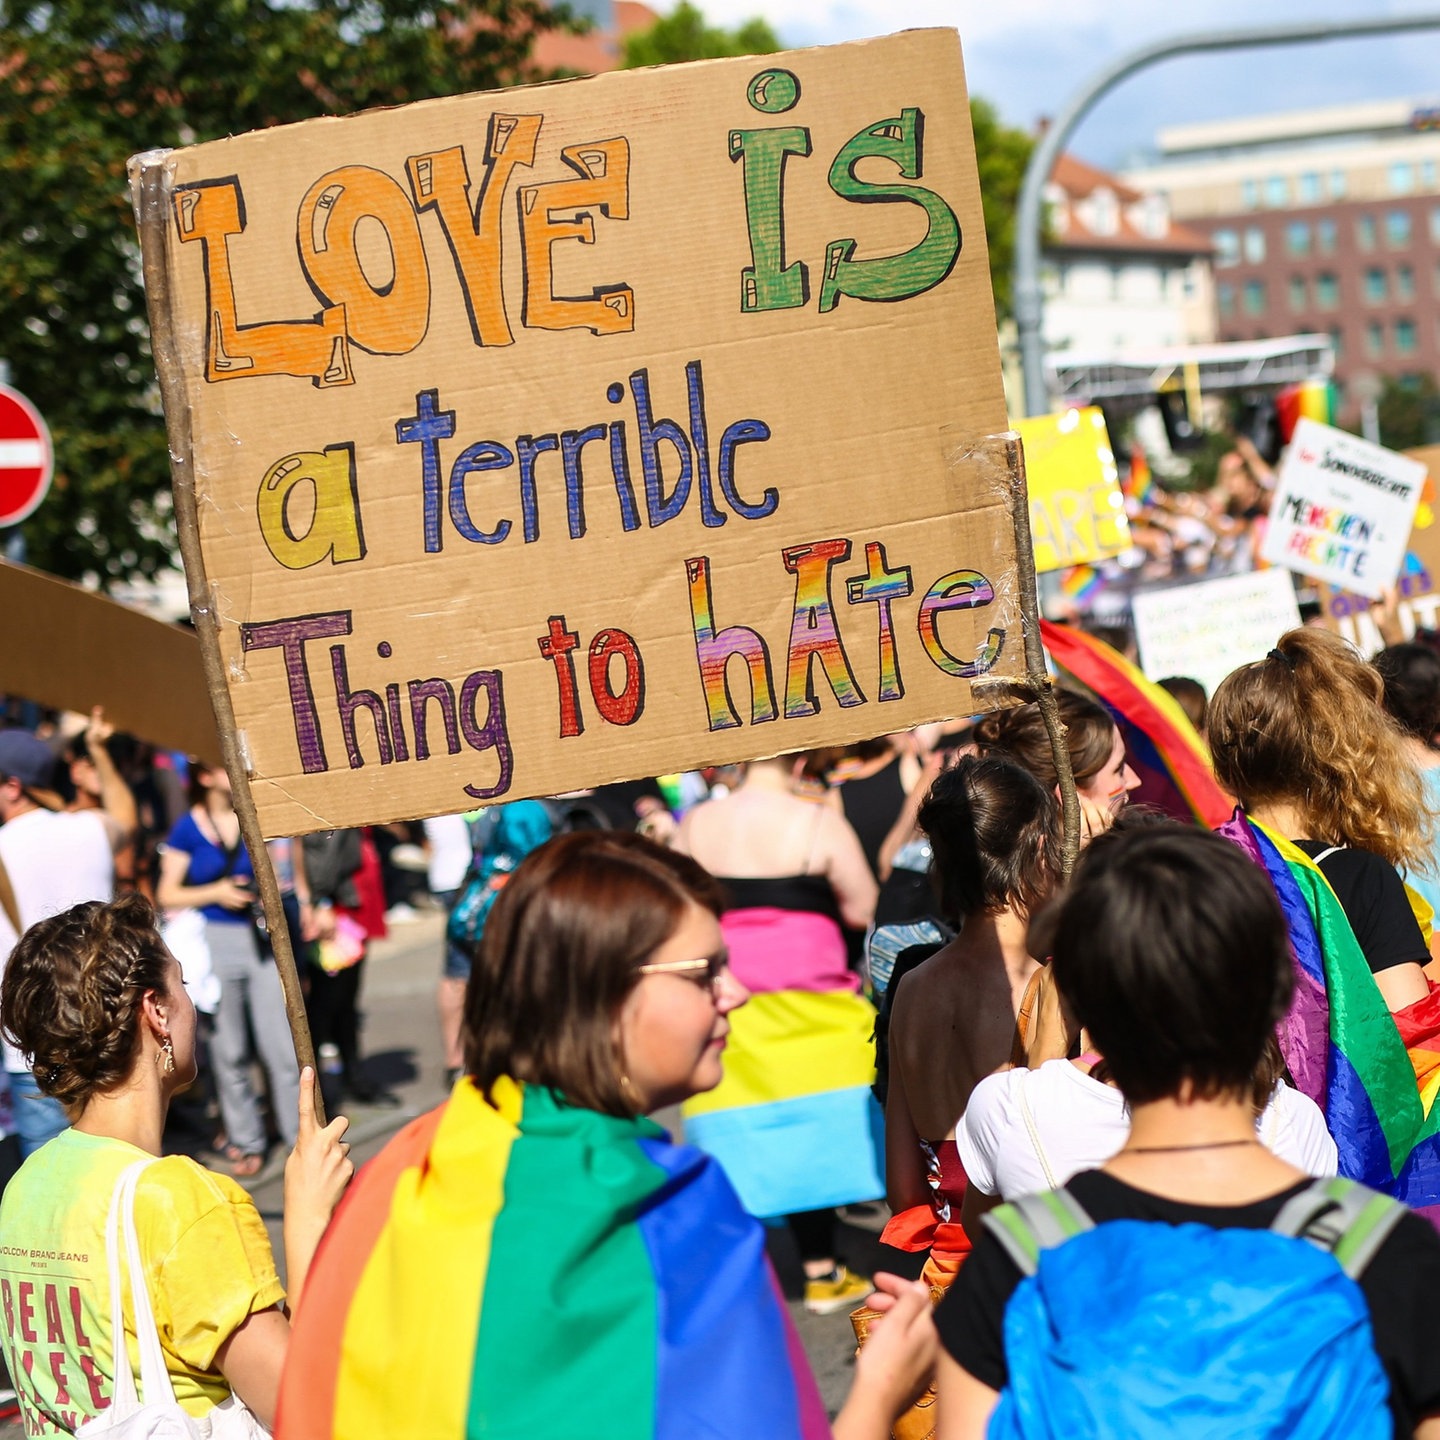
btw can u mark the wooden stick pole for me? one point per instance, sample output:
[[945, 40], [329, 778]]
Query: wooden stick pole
[[150, 189], [1038, 678]]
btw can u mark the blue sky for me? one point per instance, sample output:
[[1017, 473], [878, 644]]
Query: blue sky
[[1027, 56]]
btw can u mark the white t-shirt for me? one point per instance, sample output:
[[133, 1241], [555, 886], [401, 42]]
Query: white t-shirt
[[1080, 1123], [55, 859], [449, 838]]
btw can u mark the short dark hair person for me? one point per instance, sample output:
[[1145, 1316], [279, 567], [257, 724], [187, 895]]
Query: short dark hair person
[[1170, 947]]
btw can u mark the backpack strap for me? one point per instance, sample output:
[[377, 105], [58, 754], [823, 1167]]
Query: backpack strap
[[1342, 1217], [1034, 1223]]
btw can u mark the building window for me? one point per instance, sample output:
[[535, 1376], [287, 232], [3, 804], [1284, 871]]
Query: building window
[[1255, 245], [1397, 229], [1404, 283], [1227, 247], [1297, 238], [1374, 338], [1427, 174], [1404, 337], [1402, 177], [1375, 287], [1249, 195], [1254, 297], [1310, 188], [1104, 212], [1325, 236], [1225, 298], [1337, 340], [1337, 184], [1327, 291], [1365, 232], [1277, 192], [1299, 293], [1117, 281]]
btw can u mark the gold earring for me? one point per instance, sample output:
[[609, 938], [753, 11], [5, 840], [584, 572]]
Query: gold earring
[[167, 1056]]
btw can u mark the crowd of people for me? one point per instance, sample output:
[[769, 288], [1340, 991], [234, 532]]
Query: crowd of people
[[1180, 533], [1157, 1139]]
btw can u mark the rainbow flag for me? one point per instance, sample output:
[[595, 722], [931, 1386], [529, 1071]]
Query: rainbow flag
[[534, 1271], [1139, 483], [1309, 400], [1081, 583], [1164, 750], [794, 1122], [1374, 1075]]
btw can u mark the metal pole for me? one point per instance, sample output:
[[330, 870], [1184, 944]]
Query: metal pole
[[1029, 302]]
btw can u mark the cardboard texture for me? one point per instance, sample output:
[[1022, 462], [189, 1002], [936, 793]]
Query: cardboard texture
[[1207, 629], [68, 647], [1419, 580], [1077, 512], [514, 415], [1343, 509]]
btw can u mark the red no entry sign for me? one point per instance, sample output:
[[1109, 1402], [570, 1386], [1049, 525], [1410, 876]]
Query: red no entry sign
[[27, 459]]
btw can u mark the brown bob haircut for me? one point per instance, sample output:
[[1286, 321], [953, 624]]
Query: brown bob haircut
[[559, 955]]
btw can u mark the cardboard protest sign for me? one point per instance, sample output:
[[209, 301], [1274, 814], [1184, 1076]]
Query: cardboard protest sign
[[1418, 582], [1077, 512], [72, 649], [1342, 510], [593, 430], [1206, 629]]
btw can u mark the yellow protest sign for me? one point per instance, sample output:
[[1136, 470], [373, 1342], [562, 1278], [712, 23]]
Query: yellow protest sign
[[1077, 513], [591, 430]]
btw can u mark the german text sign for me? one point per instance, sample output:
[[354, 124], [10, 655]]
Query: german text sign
[[1343, 509], [1206, 630], [568, 434]]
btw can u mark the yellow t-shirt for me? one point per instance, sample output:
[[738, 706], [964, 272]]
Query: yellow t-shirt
[[207, 1260]]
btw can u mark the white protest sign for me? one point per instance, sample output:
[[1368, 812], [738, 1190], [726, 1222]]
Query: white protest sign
[[1343, 510], [1205, 630]]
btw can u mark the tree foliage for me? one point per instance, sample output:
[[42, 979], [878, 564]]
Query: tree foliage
[[86, 83], [1002, 153], [1409, 411], [684, 35]]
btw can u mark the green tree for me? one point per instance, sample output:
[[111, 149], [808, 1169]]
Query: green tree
[[684, 35], [1002, 154], [86, 83], [1409, 411]]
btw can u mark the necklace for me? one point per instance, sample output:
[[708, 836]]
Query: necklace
[[1172, 1149]]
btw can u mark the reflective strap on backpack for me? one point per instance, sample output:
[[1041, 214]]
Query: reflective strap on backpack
[[1034, 1223], [1342, 1217]]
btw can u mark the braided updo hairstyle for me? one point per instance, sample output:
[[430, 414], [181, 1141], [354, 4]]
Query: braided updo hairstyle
[[72, 991]]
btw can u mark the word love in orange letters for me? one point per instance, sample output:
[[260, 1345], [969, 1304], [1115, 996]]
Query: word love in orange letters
[[390, 316]]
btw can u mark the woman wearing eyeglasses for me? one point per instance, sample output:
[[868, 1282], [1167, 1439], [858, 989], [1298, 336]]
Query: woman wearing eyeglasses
[[535, 1257]]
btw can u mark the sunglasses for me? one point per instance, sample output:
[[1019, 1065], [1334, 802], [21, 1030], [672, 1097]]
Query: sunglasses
[[706, 972]]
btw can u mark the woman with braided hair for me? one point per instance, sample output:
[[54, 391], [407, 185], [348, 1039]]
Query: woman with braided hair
[[95, 1000]]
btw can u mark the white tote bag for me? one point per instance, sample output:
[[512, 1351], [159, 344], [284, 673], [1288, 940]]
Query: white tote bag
[[161, 1416]]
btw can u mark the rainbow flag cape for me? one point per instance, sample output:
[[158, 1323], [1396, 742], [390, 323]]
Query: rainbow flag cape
[[535, 1271], [1164, 750], [1373, 1074], [794, 1122]]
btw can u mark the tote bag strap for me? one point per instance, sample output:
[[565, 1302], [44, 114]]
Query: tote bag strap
[[154, 1375]]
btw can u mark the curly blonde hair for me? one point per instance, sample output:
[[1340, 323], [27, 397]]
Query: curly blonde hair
[[1305, 727]]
